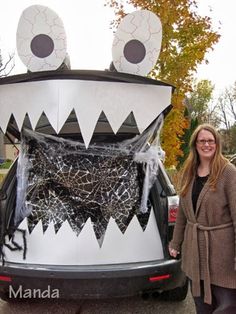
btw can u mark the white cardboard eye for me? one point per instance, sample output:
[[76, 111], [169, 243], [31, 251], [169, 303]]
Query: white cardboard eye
[[41, 39], [137, 43]]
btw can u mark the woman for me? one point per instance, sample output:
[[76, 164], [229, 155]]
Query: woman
[[205, 230]]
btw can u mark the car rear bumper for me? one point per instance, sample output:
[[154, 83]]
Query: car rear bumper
[[98, 281]]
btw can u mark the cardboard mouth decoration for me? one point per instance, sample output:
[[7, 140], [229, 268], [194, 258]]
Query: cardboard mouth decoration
[[83, 202]]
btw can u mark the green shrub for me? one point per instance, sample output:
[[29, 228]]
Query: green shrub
[[1, 178], [7, 164]]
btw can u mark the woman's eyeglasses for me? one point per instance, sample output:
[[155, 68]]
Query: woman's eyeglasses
[[203, 142]]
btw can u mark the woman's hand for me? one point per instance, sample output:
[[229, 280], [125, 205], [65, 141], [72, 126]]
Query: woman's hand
[[173, 252]]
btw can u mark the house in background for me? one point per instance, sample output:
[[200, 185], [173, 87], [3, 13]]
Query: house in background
[[9, 148]]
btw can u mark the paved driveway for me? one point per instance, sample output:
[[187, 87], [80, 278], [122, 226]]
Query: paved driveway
[[112, 306]]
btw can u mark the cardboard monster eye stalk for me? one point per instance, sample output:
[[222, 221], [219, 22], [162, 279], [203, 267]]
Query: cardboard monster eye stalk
[[90, 146], [137, 43], [41, 39]]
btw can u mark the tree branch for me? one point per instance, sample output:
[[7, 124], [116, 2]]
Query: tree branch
[[3, 68]]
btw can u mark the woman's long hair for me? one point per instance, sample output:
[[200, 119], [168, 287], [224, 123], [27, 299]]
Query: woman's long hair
[[192, 162]]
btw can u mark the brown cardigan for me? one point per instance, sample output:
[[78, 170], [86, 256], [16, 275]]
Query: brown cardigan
[[207, 239]]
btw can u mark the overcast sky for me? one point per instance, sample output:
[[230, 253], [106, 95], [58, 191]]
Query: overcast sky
[[221, 69], [90, 38]]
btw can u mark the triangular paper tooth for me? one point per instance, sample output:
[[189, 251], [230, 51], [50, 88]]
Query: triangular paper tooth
[[157, 99], [87, 119], [34, 116], [19, 118], [133, 228], [87, 235], [52, 118], [117, 118], [84, 97], [65, 233], [150, 230], [23, 225], [144, 245], [66, 245], [33, 241], [40, 243], [134, 244], [38, 229], [113, 237], [116, 113], [31, 227], [63, 114], [115, 104]]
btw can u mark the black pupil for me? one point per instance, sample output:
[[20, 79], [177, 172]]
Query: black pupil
[[42, 46], [134, 51]]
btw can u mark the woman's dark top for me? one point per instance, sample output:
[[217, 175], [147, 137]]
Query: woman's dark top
[[198, 184]]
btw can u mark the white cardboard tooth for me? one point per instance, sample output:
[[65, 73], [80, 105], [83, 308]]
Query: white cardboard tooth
[[34, 117], [82, 96], [112, 244], [157, 99], [52, 118], [116, 107], [65, 245], [155, 241], [51, 105], [136, 241], [87, 128], [31, 239], [23, 225], [19, 117], [88, 250], [41, 246], [63, 114]]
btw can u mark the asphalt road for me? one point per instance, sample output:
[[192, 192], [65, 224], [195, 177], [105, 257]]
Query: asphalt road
[[134, 305]]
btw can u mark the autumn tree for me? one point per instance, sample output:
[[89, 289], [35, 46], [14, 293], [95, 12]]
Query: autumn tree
[[187, 37], [199, 100], [226, 106], [199, 109]]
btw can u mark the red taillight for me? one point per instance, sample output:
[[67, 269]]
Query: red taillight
[[172, 214], [156, 278], [5, 278]]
